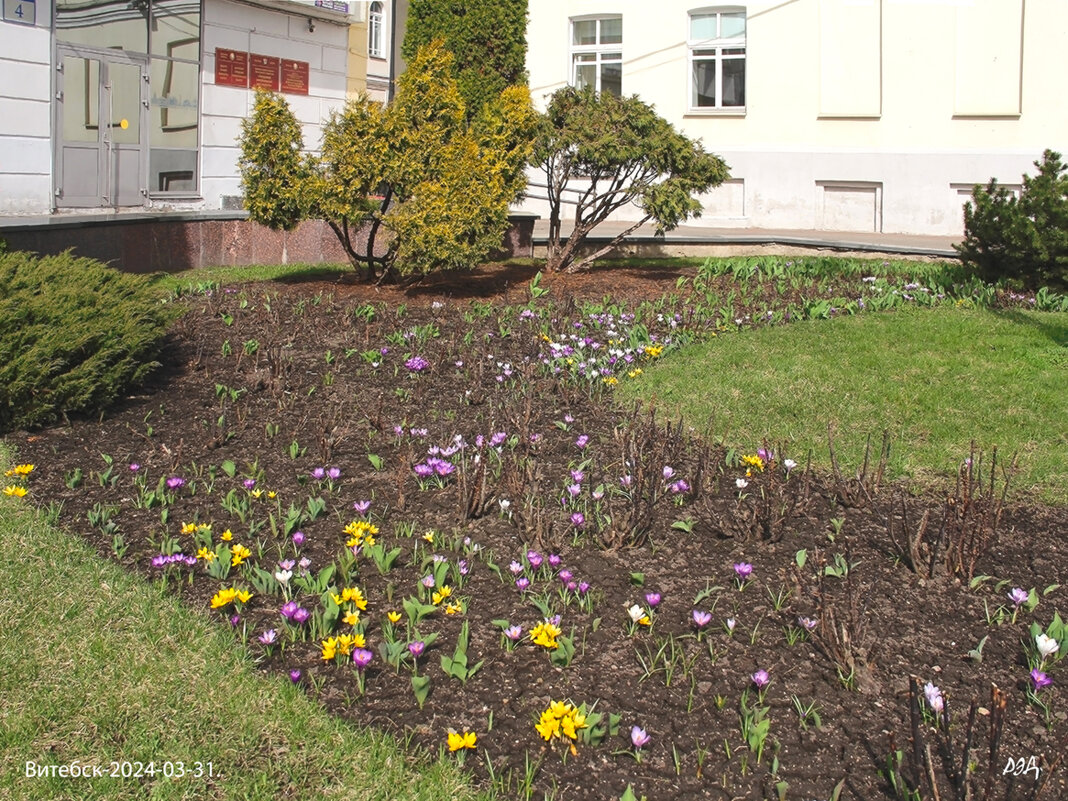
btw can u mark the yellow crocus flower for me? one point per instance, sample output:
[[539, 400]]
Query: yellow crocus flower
[[458, 741]]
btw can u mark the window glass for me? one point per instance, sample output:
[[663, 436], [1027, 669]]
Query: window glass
[[733, 82], [612, 30], [586, 76], [112, 24], [175, 29], [585, 32], [703, 26], [612, 79], [704, 84], [732, 25]]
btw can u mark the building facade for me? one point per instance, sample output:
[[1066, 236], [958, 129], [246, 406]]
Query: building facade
[[138, 104], [852, 115]]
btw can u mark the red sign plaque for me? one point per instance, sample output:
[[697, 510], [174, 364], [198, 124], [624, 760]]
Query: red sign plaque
[[263, 72], [231, 68], [295, 77]]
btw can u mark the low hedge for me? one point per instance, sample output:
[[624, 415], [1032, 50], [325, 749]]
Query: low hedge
[[75, 335]]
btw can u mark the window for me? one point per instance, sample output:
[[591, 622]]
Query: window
[[596, 54], [717, 59], [375, 25]]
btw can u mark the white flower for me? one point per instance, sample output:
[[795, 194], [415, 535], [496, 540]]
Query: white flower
[[1047, 646], [741, 483], [636, 613], [789, 464], [283, 576], [731, 623], [934, 697]]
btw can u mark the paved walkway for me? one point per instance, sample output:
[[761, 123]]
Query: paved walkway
[[694, 239]]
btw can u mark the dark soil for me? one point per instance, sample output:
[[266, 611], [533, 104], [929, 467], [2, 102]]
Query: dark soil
[[271, 378]]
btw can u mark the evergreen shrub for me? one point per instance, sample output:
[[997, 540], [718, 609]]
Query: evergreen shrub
[[75, 335]]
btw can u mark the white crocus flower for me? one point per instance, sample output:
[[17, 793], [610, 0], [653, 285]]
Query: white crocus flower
[[636, 613], [1047, 646], [283, 576]]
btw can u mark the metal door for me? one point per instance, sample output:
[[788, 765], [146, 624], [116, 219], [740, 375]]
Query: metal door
[[101, 148]]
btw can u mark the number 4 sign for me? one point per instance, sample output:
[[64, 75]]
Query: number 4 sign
[[22, 11]]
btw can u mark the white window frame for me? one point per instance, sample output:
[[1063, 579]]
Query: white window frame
[[376, 30], [603, 53], [714, 51]]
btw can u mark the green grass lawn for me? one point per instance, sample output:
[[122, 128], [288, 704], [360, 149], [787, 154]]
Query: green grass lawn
[[98, 666], [935, 378]]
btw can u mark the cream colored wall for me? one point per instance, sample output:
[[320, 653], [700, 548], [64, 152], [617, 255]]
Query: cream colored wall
[[896, 103], [357, 78]]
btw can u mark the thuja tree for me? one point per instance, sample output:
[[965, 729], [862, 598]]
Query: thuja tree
[[1024, 239], [609, 152], [408, 188], [273, 168], [486, 37]]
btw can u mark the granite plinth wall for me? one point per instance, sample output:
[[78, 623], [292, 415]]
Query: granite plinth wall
[[159, 243]]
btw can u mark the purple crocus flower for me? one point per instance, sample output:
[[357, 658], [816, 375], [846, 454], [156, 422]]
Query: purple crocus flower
[[294, 676], [626, 481], [554, 560], [743, 570], [597, 494], [574, 490], [289, 610], [268, 637], [1040, 679], [513, 633], [582, 441], [333, 473], [301, 615], [160, 561], [807, 623], [680, 487], [700, 618], [428, 581], [761, 679], [577, 476], [765, 454], [498, 439], [443, 468], [565, 576], [668, 472], [578, 520], [653, 599], [515, 567], [318, 473], [1018, 596], [175, 482], [361, 658], [639, 737], [249, 483], [298, 538], [416, 648], [417, 364], [361, 506], [522, 583], [423, 470], [534, 558], [134, 467], [235, 620], [583, 587]]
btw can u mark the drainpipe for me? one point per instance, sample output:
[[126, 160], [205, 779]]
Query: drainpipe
[[392, 51]]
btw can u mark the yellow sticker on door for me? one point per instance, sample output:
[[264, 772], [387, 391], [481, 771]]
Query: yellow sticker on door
[[124, 124]]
